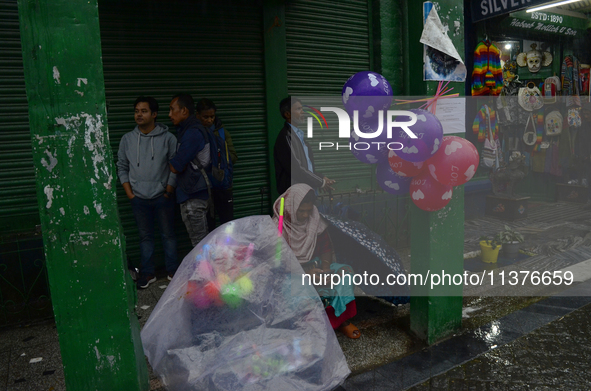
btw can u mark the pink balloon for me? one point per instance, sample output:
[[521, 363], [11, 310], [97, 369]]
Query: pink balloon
[[455, 163], [428, 194], [403, 167]]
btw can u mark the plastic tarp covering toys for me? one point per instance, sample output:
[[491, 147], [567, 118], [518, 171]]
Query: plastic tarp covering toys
[[237, 317]]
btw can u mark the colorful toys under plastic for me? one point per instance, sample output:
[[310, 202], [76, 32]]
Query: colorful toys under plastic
[[221, 276]]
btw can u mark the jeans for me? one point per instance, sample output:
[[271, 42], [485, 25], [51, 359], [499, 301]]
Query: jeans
[[223, 203], [194, 214], [145, 213]]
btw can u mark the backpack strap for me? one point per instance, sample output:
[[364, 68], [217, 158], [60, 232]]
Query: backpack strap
[[223, 136], [202, 170]]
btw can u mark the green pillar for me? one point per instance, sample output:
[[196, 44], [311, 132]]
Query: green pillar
[[437, 246], [437, 238], [275, 75], [92, 294], [388, 43]]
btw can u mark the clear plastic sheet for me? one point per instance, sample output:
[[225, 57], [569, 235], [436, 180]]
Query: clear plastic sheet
[[231, 319]]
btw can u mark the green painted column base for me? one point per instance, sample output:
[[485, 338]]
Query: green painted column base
[[437, 247], [434, 318]]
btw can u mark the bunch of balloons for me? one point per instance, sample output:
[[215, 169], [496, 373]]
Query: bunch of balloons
[[220, 276], [428, 166]]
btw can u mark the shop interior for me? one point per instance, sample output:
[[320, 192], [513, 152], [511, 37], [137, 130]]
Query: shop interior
[[530, 107]]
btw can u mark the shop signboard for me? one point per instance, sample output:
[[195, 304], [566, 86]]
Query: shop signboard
[[546, 23], [484, 9]]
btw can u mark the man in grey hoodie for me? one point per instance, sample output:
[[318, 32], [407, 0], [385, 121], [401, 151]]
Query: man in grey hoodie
[[142, 167]]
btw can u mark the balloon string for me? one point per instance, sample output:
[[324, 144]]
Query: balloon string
[[431, 103]]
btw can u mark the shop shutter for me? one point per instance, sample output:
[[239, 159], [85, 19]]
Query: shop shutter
[[327, 42], [209, 49], [18, 199]]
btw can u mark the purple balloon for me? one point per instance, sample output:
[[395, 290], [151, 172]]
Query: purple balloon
[[367, 92], [369, 150], [366, 151], [429, 135], [390, 181]]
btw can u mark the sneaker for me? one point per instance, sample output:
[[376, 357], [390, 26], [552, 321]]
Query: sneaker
[[170, 276], [145, 281]]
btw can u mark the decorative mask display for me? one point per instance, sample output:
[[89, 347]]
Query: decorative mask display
[[534, 59], [509, 71]]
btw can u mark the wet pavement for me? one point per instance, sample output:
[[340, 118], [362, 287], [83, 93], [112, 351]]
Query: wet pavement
[[506, 343], [545, 346]]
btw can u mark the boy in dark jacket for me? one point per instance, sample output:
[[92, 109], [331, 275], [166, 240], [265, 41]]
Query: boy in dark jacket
[[223, 199]]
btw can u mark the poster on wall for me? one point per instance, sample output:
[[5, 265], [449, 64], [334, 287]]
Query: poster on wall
[[442, 62], [452, 115]]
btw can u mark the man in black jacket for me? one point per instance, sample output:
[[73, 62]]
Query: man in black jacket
[[294, 160]]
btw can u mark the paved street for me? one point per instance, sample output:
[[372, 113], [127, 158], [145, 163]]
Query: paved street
[[546, 346]]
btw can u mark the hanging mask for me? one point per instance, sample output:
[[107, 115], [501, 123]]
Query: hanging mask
[[509, 71], [534, 59]]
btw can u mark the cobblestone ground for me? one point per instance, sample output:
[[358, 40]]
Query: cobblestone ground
[[554, 357]]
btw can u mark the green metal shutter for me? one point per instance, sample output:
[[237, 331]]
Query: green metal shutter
[[209, 49], [327, 42], [18, 198]]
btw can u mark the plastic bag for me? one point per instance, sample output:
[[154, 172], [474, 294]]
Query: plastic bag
[[231, 319]]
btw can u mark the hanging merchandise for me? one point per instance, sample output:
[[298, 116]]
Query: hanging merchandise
[[509, 71], [490, 152], [485, 120], [529, 135], [484, 124], [539, 122], [534, 59], [538, 161], [571, 83], [487, 76], [584, 76], [553, 123], [551, 164], [574, 117], [551, 89], [534, 130], [530, 98], [508, 109], [555, 168]]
